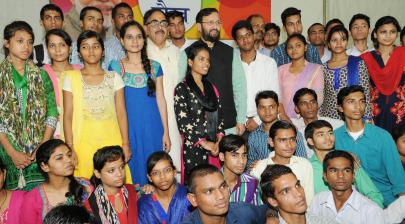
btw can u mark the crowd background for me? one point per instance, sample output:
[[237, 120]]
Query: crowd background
[[314, 11]]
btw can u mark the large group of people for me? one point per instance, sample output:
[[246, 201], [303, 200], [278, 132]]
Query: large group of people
[[151, 127]]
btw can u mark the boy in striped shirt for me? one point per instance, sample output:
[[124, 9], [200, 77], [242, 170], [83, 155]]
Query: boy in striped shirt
[[233, 155]]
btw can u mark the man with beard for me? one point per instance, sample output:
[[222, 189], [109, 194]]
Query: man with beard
[[257, 23], [121, 14], [316, 36], [260, 71], [270, 39], [343, 202], [291, 18], [177, 29], [226, 71], [72, 22], [163, 51]]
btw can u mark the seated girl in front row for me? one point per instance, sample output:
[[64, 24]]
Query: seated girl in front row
[[113, 201], [169, 203], [55, 161]]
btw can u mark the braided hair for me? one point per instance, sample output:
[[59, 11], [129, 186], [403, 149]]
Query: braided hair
[[146, 63]]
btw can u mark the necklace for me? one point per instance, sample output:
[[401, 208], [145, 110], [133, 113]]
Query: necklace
[[5, 198]]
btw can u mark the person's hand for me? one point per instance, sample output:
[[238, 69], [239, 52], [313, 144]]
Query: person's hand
[[215, 150], [166, 142], [127, 152], [240, 129], [21, 159], [251, 124], [357, 164], [207, 145], [148, 189]]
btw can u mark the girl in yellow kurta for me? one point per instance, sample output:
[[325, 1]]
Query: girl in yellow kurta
[[94, 106]]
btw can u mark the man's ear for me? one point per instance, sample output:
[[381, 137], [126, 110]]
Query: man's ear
[[271, 142], [222, 157], [191, 198], [273, 202], [310, 142]]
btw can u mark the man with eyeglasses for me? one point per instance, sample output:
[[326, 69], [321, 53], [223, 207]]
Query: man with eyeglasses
[[283, 138], [226, 71], [359, 27], [260, 71], [160, 49]]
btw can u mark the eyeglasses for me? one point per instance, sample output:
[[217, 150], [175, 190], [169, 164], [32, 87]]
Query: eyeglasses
[[157, 173], [155, 23], [285, 140], [212, 23]]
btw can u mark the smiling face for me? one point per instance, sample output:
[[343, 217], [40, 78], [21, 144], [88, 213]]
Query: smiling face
[[245, 39], [211, 195], [210, 27], [156, 28], [289, 196], [58, 50], [162, 175], [60, 162], [386, 34], [201, 63], [339, 174], [20, 45], [133, 40], [338, 42]]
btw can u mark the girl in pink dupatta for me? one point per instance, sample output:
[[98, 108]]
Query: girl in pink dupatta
[[298, 74], [59, 45], [10, 201]]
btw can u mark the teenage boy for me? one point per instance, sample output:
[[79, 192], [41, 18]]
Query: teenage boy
[[177, 29], [121, 13], [372, 145], [233, 154], [268, 110], [283, 139], [306, 105], [320, 138], [342, 202], [209, 194], [291, 18], [51, 18], [91, 18], [359, 27], [260, 71], [281, 189], [270, 39]]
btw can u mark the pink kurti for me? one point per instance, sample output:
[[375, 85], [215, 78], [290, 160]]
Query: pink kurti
[[311, 77]]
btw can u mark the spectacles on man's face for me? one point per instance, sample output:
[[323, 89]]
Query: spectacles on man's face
[[155, 23], [212, 23]]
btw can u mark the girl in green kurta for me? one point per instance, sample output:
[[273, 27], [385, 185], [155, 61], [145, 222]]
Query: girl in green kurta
[[28, 113]]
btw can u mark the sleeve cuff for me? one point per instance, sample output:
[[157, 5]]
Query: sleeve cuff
[[51, 122], [199, 141]]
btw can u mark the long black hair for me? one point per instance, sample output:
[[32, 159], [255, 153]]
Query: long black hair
[[43, 154], [144, 56]]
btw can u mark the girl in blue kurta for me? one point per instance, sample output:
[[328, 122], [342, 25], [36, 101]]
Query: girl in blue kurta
[[169, 203], [144, 99]]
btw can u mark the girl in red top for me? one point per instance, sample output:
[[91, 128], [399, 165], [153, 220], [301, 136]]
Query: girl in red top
[[112, 201]]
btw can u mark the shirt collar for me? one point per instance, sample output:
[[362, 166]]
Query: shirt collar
[[353, 201], [155, 47], [270, 161], [366, 130]]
